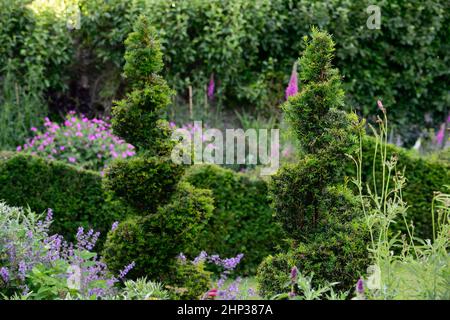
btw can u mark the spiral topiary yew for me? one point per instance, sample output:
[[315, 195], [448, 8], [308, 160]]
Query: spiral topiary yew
[[169, 213], [319, 213]]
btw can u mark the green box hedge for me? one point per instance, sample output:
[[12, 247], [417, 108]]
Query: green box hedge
[[242, 221], [75, 196]]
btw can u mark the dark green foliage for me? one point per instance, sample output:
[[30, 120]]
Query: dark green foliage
[[75, 195], [143, 182], [251, 46], [153, 241], [143, 56], [320, 214], [242, 220], [171, 213], [273, 274], [424, 177], [190, 281], [326, 135], [338, 253], [34, 52]]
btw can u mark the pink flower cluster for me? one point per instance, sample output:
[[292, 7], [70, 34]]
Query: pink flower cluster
[[88, 143]]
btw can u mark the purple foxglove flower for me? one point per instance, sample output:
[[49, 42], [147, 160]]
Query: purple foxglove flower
[[380, 106], [294, 274], [292, 88], [440, 135], [211, 87], [360, 286]]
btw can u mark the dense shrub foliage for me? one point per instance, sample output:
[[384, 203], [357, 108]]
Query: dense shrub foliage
[[320, 214], [35, 50], [248, 46], [191, 280], [75, 195], [171, 213], [242, 219], [87, 143]]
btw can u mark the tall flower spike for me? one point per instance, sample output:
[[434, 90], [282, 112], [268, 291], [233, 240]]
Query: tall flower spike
[[292, 88], [380, 106], [440, 135], [211, 87], [360, 286]]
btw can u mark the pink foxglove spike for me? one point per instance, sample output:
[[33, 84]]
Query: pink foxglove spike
[[292, 88], [211, 87], [440, 135]]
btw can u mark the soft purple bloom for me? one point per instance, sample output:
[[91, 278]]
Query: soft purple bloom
[[34, 129], [211, 87], [49, 216], [19, 148], [440, 135], [294, 274], [380, 106], [22, 270], [292, 88], [114, 225], [182, 258], [127, 269], [4, 274], [72, 160], [201, 257], [360, 286]]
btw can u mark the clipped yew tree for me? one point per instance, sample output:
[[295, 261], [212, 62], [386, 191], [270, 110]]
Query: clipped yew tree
[[168, 213], [316, 209]]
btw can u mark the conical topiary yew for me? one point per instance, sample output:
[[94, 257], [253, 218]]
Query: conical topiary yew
[[169, 213], [316, 210]]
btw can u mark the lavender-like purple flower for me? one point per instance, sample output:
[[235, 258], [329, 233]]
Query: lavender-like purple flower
[[292, 88], [231, 263], [22, 270], [211, 87], [200, 258], [114, 225], [127, 269], [4, 274], [181, 257], [49, 216]]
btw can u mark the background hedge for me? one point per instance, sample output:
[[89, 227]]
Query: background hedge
[[242, 220], [75, 196], [249, 46], [424, 177]]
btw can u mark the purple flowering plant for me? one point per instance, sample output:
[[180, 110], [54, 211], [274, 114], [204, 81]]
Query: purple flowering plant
[[88, 143], [38, 265], [224, 289]]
